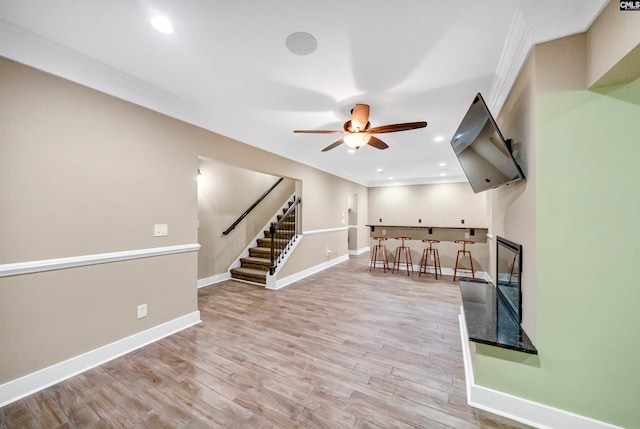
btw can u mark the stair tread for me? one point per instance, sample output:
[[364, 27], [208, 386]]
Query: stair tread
[[256, 266], [256, 260], [250, 271], [261, 248]]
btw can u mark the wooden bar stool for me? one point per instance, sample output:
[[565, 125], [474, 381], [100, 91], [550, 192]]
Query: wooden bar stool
[[374, 254], [464, 252], [400, 251], [433, 252]]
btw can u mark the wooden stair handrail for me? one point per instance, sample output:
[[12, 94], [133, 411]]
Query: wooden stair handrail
[[253, 206]]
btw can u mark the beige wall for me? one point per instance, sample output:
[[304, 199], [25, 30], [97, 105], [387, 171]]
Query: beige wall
[[437, 205], [512, 209], [224, 193], [613, 54], [81, 174], [48, 317], [441, 205], [314, 250], [84, 173]]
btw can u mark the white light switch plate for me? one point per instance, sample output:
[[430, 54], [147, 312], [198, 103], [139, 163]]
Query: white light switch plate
[[160, 230]]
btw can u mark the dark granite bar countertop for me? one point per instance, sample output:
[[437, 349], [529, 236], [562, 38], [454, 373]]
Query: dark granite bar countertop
[[428, 227], [489, 321]]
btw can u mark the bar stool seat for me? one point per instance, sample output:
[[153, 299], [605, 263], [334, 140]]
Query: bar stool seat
[[460, 255], [435, 257], [377, 249], [401, 251]]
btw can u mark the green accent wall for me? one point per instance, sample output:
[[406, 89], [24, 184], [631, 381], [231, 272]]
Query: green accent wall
[[588, 260]]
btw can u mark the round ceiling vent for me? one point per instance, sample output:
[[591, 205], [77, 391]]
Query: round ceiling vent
[[301, 43]]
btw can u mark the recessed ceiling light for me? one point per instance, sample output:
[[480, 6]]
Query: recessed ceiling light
[[380, 171], [351, 151], [438, 139], [443, 174], [442, 164], [390, 177], [301, 43], [162, 24]]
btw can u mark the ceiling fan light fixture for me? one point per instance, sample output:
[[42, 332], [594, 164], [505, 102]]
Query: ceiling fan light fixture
[[357, 140], [359, 133]]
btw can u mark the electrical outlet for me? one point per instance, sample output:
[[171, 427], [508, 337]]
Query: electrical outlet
[[466, 235], [160, 230], [384, 232], [142, 311]]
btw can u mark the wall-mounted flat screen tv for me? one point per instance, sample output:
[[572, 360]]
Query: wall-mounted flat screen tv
[[484, 154]]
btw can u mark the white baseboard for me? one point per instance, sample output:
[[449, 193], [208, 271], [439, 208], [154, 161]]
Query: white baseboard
[[208, 281], [480, 275], [515, 408], [36, 381], [280, 283], [359, 251]]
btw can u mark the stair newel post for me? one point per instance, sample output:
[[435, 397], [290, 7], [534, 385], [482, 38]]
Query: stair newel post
[[296, 225]]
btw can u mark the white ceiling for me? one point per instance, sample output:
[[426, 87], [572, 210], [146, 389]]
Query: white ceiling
[[226, 67]]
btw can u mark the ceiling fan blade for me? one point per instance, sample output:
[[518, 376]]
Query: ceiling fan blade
[[360, 117], [333, 145], [319, 131], [377, 143], [396, 127]]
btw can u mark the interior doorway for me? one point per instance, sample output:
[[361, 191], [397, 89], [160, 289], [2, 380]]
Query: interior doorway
[[352, 222]]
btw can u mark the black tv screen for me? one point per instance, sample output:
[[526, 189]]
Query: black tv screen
[[484, 154]]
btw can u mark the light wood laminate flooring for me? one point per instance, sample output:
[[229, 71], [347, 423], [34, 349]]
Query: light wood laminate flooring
[[345, 348]]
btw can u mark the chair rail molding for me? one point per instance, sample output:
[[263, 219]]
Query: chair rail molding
[[19, 268]]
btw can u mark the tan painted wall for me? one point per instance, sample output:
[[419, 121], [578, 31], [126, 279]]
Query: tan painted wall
[[442, 205], [437, 205], [224, 193], [312, 251], [83, 173], [512, 211], [613, 38], [46, 318]]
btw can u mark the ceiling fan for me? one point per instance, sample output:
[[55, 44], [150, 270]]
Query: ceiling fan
[[359, 132]]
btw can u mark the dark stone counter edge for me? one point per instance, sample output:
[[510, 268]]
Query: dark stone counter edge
[[533, 351], [520, 342], [481, 228]]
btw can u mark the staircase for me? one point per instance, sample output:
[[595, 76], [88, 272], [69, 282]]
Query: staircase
[[255, 267]]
